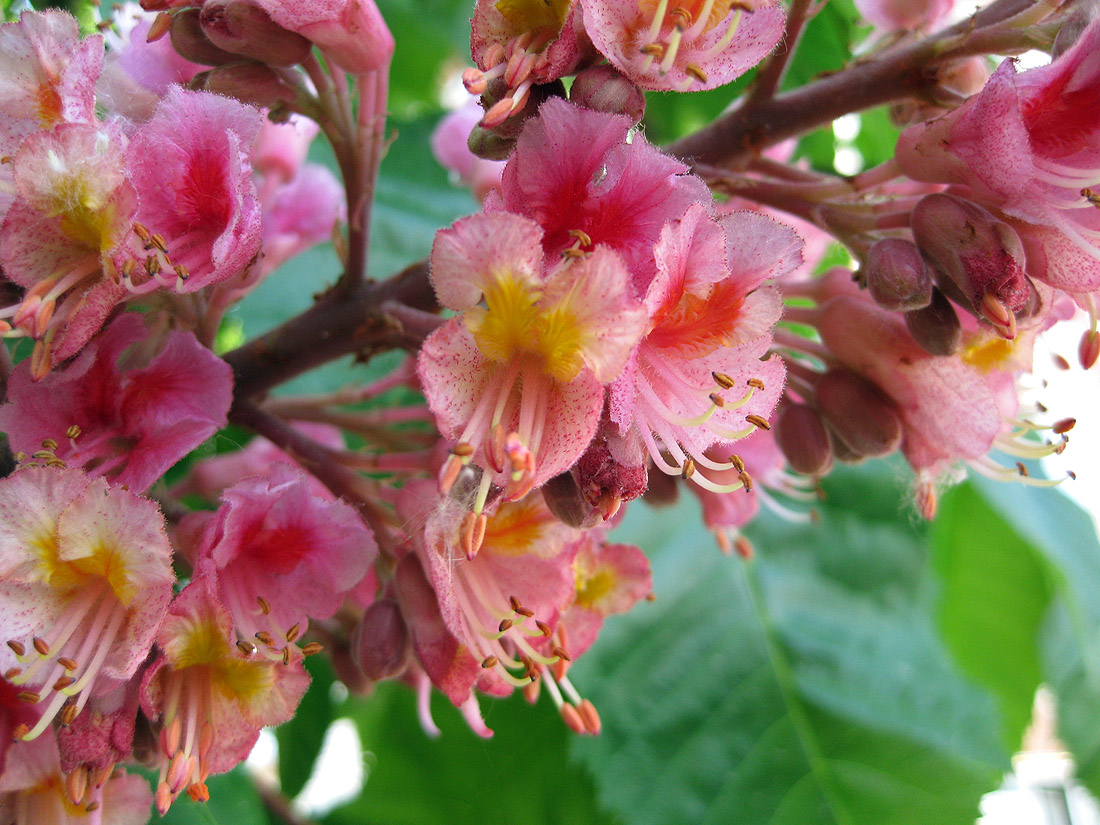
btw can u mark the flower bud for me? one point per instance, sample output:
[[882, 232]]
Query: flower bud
[[803, 440], [858, 414], [1088, 351], [380, 645], [242, 27], [563, 498], [605, 89], [897, 276], [979, 254], [487, 144], [936, 327], [248, 82], [192, 44]]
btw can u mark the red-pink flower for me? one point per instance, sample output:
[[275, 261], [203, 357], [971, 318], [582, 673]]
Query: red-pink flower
[[1028, 145], [283, 555], [697, 378], [574, 174], [34, 791], [904, 15], [519, 381], [190, 165], [85, 578], [135, 415], [207, 697], [683, 46]]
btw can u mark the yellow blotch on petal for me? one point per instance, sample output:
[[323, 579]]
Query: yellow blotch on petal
[[986, 351], [528, 15], [517, 528], [504, 327], [206, 645], [593, 587], [560, 343]]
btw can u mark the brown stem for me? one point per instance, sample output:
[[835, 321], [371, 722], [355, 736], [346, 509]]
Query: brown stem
[[278, 805], [771, 73], [338, 324], [905, 72]]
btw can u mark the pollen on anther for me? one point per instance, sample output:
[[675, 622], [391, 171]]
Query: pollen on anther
[[41, 645], [17, 647], [68, 714], [688, 470], [756, 383], [311, 648], [489, 661], [293, 632], [29, 696], [1064, 426], [561, 653], [67, 663], [717, 400], [505, 625], [696, 72], [247, 648], [462, 449], [722, 380], [266, 638], [543, 627], [757, 421], [265, 608]]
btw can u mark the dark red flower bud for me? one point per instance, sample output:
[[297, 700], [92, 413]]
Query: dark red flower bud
[[605, 89], [192, 44], [801, 436], [858, 414], [241, 27], [897, 276], [380, 645], [936, 327]]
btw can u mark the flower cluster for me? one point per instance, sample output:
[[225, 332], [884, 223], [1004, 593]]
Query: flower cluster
[[604, 327]]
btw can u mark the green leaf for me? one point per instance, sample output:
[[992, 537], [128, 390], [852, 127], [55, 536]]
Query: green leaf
[[1065, 541], [805, 687], [300, 739], [996, 593], [877, 137], [233, 801], [521, 774], [432, 41]]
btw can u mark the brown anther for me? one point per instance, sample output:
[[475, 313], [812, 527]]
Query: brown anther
[[572, 718], [182, 272], [463, 449], [1060, 362], [525, 612], [543, 627], [1064, 426], [743, 547], [1071, 474], [41, 645], [528, 666], [7, 159], [737, 462], [489, 661], [63, 682], [29, 696], [561, 653], [55, 462], [654, 49], [573, 252], [293, 632], [757, 421], [20, 730], [591, 718], [684, 15], [1021, 469], [756, 383], [198, 792], [68, 714], [266, 638], [717, 400], [688, 470], [91, 807], [746, 479], [722, 380], [17, 647], [157, 240], [152, 266], [696, 72], [76, 784], [12, 672], [247, 648], [311, 648], [286, 655], [1091, 196], [67, 663], [514, 603], [504, 626], [141, 232], [582, 236], [128, 269], [49, 444], [42, 455], [265, 608]]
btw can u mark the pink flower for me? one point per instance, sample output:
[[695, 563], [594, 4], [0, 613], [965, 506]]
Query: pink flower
[[519, 381], [697, 378], [351, 33], [519, 43], [136, 418], [904, 15], [502, 605], [34, 791], [191, 165], [299, 214], [207, 697], [64, 236], [449, 145], [283, 555], [683, 46], [1028, 145], [85, 579], [575, 175], [47, 75]]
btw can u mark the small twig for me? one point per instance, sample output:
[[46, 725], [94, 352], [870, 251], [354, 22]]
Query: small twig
[[278, 805], [771, 73]]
